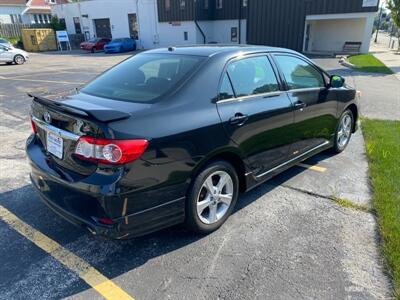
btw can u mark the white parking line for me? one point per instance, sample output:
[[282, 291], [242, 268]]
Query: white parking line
[[39, 80]]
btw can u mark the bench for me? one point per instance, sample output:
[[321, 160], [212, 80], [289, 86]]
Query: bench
[[352, 47]]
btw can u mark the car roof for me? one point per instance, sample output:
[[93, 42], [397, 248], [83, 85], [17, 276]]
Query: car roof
[[211, 50]]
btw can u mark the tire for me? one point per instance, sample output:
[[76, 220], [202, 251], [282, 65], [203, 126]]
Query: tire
[[343, 131], [19, 59], [214, 211], [92, 50]]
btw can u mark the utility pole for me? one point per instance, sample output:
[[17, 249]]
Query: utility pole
[[379, 23]]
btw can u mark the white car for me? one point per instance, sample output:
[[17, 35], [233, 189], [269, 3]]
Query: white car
[[4, 42], [11, 55]]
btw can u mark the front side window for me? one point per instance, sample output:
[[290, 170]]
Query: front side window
[[298, 73], [144, 77], [226, 91], [252, 76]]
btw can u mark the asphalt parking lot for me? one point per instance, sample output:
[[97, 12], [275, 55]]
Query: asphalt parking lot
[[288, 239]]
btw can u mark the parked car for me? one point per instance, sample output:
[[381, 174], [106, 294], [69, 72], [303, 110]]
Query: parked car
[[174, 135], [5, 42], [9, 55], [120, 45], [96, 44]]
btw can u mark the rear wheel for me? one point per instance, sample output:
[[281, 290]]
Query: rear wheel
[[212, 197], [343, 131], [19, 59]]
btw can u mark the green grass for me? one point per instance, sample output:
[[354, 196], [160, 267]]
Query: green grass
[[383, 151], [350, 204], [369, 64]]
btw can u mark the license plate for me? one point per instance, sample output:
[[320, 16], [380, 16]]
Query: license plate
[[55, 145]]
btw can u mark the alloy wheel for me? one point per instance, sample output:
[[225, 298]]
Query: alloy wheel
[[215, 197], [344, 132], [19, 60]]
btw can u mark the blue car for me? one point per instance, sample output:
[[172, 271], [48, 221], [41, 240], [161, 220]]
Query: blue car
[[120, 45]]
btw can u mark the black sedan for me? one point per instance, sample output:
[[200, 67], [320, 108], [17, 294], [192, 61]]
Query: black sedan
[[174, 135]]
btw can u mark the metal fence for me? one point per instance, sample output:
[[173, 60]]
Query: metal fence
[[14, 30]]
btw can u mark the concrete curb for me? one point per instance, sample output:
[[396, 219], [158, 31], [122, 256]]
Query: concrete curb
[[344, 62]]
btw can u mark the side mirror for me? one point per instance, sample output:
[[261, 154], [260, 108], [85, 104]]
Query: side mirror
[[336, 81]]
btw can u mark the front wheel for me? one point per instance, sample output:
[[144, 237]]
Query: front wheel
[[343, 131], [19, 59], [212, 197]]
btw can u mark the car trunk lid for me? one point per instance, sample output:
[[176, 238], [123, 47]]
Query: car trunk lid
[[61, 119]]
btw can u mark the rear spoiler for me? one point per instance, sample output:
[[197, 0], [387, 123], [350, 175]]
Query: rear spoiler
[[100, 113]]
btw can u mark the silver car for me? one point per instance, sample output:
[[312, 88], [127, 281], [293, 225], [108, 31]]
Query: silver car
[[11, 55], [4, 42]]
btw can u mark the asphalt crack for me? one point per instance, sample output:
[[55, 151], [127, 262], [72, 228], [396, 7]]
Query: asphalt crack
[[340, 201]]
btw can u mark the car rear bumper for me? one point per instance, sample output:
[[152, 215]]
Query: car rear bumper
[[84, 202]]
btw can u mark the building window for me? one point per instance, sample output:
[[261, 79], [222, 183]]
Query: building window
[[40, 19], [245, 3], [133, 28], [185, 35], [219, 4], [35, 18], [62, 22], [77, 24], [182, 4], [20, 18], [167, 4], [12, 19], [206, 4]]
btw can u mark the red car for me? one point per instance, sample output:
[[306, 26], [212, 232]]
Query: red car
[[95, 44]]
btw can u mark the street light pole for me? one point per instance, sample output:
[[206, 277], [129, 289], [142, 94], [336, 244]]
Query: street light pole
[[379, 23]]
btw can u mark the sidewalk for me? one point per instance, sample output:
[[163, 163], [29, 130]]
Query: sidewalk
[[391, 58]]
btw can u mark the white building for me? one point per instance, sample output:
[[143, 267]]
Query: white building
[[140, 19], [113, 19], [26, 11]]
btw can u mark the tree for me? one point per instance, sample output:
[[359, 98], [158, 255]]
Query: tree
[[394, 7], [56, 24]]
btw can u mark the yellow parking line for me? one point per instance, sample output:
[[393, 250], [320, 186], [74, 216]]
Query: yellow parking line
[[39, 80], [94, 278], [314, 168]]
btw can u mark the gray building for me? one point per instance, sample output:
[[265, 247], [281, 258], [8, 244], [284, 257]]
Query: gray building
[[311, 26]]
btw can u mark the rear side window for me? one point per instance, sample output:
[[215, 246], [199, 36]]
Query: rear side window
[[143, 78], [253, 75], [298, 73], [226, 91]]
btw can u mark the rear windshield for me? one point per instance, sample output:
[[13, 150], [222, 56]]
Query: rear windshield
[[143, 78]]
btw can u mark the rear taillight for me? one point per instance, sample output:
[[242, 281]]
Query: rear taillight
[[33, 124], [109, 151]]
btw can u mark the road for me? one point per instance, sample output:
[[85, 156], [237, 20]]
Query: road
[[287, 239]]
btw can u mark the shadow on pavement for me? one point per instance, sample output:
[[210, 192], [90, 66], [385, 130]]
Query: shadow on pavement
[[111, 257]]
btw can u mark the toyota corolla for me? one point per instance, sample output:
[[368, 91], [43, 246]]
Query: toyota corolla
[[174, 135]]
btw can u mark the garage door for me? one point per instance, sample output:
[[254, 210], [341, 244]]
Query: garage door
[[103, 28]]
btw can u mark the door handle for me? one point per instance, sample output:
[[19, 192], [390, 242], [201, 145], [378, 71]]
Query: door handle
[[238, 119], [300, 105]]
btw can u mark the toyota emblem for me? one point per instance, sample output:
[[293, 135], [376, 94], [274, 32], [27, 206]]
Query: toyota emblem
[[47, 117]]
